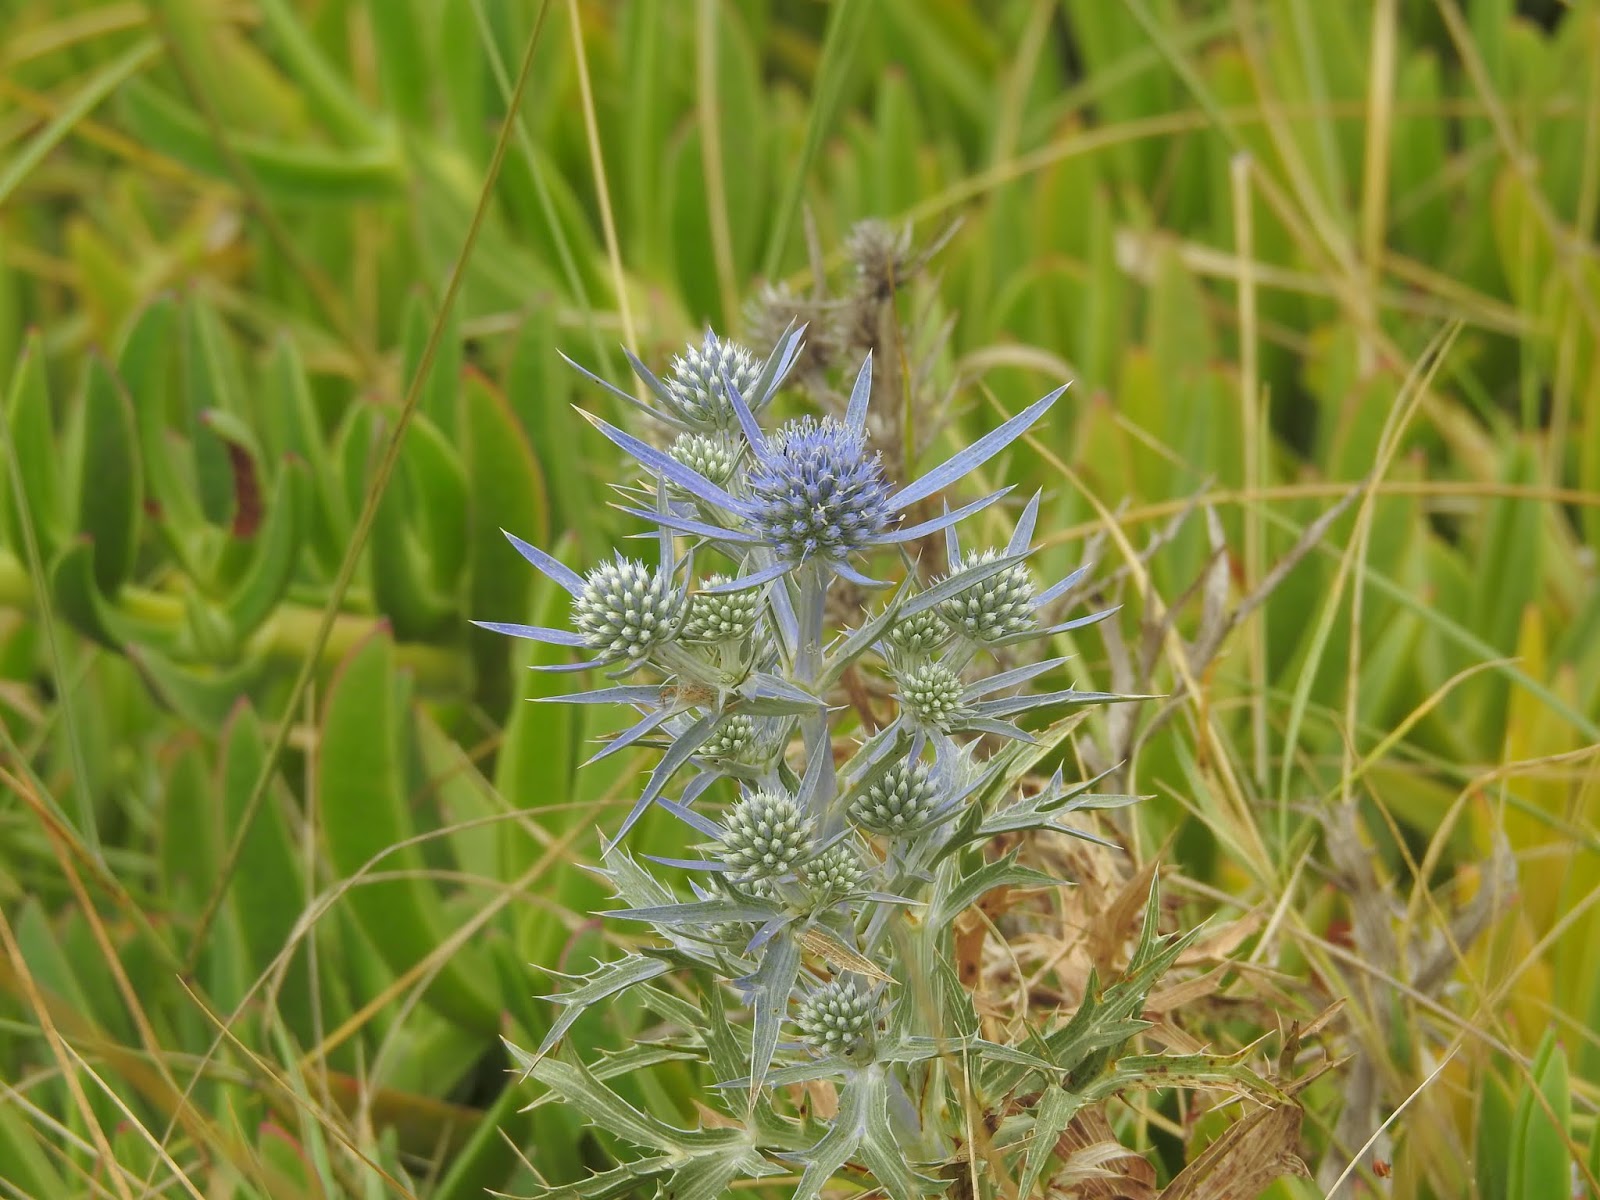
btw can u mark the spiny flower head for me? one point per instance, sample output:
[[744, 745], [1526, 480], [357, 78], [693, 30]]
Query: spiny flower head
[[897, 801], [765, 836], [626, 608], [835, 873], [695, 383], [932, 693], [835, 1017], [732, 737], [721, 616], [995, 607], [818, 491], [711, 454], [919, 633]]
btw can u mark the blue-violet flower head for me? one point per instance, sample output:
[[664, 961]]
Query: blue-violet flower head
[[819, 491]]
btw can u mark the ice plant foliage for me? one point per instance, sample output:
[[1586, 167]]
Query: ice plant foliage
[[814, 917]]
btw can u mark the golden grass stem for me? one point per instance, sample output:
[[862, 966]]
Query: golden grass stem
[[597, 167], [708, 112], [1251, 428]]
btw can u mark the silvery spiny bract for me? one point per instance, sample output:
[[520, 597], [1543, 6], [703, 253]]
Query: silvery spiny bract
[[831, 860]]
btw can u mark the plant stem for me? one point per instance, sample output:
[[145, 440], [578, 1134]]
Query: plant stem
[[808, 668]]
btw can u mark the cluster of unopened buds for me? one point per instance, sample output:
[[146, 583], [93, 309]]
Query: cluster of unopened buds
[[826, 880]]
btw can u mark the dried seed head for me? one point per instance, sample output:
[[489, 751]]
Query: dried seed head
[[898, 801], [627, 608], [695, 383], [765, 836], [881, 256], [995, 607]]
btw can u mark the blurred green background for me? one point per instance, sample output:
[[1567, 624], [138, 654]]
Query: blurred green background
[[281, 294]]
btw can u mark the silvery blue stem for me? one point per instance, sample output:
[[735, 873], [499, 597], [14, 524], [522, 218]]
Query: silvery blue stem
[[812, 614]]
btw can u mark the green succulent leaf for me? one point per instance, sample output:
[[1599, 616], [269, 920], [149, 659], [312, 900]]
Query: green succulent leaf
[[285, 172], [110, 484], [37, 482], [366, 818], [148, 366], [277, 550], [1540, 1155], [202, 694], [289, 401]]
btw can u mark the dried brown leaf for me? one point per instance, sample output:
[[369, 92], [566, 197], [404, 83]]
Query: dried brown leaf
[[1095, 1166], [1109, 934], [823, 944], [1186, 991], [1220, 946], [1245, 1160]]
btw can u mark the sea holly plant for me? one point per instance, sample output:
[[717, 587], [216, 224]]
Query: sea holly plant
[[834, 852]]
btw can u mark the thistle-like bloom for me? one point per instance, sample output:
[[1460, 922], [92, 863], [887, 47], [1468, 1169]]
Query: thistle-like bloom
[[818, 491], [698, 383], [627, 609], [814, 492], [835, 873], [899, 800], [623, 608], [695, 397], [731, 738], [934, 702], [716, 616], [709, 454], [741, 670], [835, 1017], [919, 634], [994, 608], [932, 695], [765, 836]]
